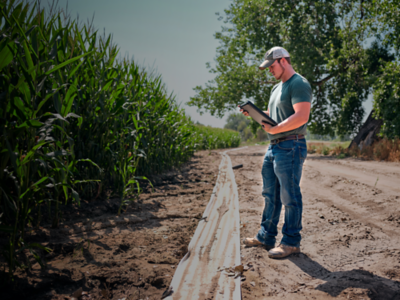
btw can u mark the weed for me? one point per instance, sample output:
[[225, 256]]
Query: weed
[[376, 181]]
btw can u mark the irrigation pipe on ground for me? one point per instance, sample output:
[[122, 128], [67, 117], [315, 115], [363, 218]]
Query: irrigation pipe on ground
[[215, 244]]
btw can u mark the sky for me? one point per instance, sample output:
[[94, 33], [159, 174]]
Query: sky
[[175, 37]]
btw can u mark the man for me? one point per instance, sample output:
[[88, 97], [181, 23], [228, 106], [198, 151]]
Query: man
[[289, 106]]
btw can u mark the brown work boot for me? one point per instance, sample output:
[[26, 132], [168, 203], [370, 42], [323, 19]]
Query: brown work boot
[[282, 251], [253, 242]]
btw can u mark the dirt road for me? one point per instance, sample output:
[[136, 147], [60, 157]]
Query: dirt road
[[350, 247], [351, 243]]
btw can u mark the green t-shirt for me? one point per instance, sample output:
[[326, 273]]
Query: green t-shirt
[[283, 96]]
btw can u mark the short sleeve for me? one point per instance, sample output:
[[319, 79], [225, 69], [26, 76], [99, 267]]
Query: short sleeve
[[301, 91]]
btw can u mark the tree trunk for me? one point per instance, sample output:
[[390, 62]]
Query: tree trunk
[[368, 132]]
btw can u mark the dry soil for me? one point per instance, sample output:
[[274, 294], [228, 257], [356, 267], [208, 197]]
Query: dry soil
[[350, 247]]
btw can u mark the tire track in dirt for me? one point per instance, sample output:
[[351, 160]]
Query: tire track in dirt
[[357, 199], [350, 249]]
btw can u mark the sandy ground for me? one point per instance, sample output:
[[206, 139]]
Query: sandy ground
[[350, 247]]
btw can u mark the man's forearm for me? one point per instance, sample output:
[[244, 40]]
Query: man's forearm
[[294, 121]]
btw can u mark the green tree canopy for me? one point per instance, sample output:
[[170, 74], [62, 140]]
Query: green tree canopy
[[387, 86], [340, 46], [238, 122]]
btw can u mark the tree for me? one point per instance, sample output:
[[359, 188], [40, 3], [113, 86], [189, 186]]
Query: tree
[[387, 100], [387, 86], [239, 123], [326, 40]]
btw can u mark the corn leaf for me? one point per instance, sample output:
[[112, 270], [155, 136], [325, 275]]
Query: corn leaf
[[67, 63], [6, 57]]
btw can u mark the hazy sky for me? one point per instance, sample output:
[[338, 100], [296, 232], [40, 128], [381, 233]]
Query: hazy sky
[[174, 36]]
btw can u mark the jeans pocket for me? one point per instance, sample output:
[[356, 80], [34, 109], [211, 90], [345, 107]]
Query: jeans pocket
[[286, 145]]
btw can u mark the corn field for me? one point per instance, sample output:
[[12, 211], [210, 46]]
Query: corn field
[[214, 138], [76, 122]]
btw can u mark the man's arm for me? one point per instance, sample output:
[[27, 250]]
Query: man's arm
[[299, 118]]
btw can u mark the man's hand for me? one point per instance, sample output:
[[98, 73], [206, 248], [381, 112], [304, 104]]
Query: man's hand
[[247, 114], [268, 128]]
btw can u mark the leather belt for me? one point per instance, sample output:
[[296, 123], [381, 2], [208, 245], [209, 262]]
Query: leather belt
[[287, 138]]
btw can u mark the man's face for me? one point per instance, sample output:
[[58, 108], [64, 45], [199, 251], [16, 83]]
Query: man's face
[[276, 69]]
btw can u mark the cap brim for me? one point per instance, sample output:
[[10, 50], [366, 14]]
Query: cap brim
[[266, 64]]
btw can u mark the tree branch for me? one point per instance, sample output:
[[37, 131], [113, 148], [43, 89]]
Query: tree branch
[[361, 8], [321, 82]]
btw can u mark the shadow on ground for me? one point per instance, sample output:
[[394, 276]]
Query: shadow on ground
[[335, 282]]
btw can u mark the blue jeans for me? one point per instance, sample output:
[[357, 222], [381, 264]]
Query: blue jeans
[[281, 173]]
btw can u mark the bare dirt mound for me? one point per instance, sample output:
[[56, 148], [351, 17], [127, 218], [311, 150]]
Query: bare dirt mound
[[131, 256], [351, 245]]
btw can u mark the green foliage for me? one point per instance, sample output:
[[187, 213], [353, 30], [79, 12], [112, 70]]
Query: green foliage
[[76, 122], [325, 150], [326, 41], [386, 21], [387, 100], [246, 134], [387, 85], [37, 151], [208, 138], [238, 122]]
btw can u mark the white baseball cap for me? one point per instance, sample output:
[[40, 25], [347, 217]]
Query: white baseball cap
[[272, 55]]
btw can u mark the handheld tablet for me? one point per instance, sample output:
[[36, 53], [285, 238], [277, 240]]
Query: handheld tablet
[[257, 114]]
